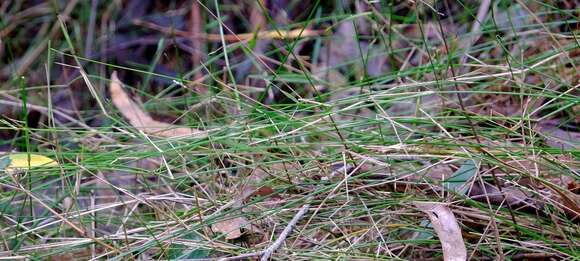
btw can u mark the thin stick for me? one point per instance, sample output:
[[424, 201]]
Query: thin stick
[[270, 250]]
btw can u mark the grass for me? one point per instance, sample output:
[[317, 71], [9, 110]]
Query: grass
[[358, 144]]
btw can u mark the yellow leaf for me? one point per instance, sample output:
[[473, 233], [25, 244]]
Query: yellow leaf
[[20, 161]]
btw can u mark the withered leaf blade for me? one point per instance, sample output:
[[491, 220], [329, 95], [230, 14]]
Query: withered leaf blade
[[143, 121], [447, 230]]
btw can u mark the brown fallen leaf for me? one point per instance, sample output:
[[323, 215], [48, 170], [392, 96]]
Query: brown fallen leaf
[[513, 196], [558, 138], [141, 120], [447, 230], [230, 227]]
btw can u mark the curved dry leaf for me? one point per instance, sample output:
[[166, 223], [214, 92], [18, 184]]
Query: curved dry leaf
[[570, 200], [447, 230], [140, 119]]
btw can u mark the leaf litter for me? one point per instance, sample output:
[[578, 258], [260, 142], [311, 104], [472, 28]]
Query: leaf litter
[[231, 227]]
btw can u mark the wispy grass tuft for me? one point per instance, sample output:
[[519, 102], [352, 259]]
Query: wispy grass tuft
[[390, 104]]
